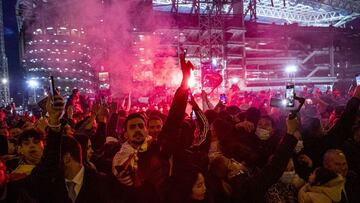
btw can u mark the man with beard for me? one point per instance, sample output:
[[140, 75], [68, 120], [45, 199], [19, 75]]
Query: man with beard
[[140, 165]]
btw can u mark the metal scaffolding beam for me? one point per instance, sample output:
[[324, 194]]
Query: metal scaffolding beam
[[348, 5], [303, 12], [4, 74]]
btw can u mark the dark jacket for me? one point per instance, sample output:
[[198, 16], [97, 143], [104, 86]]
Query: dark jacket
[[341, 131], [47, 184], [352, 153], [352, 188], [315, 147], [252, 188], [153, 164]]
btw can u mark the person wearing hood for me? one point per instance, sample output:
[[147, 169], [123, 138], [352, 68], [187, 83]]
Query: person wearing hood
[[324, 186]]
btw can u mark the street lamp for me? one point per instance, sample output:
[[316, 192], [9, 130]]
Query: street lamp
[[33, 84], [4, 81], [291, 69]]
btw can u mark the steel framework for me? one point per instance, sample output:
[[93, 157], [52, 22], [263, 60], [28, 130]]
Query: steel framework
[[228, 55], [4, 75], [303, 12]]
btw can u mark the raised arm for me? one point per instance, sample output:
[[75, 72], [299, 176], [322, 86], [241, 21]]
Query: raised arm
[[201, 121], [342, 129], [98, 140], [41, 181], [207, 105], [178, 106], [246, 188]]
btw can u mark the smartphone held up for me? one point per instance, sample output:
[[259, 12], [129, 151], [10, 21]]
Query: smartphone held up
[[289, 95], [223, 98], [52, 90], [357, 80]]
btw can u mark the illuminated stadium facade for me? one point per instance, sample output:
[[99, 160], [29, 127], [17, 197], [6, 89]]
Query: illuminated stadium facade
[[60, 52]]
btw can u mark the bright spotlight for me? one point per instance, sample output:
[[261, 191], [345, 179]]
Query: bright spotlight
[[214, 62], [33, 83], [284, 102], [4, 81], [234, 80], [291, 68]]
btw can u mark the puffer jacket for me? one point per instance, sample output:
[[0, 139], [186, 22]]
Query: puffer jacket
[[326, 193]]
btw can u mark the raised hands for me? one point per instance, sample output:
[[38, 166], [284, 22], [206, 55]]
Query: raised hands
[[55, 109], [186, 67], [246, 125]]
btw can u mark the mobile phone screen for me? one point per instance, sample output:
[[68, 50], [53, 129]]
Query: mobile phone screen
[[52, 87], [223, 98], [358, 80], [289, 95], [102, 100], [193, 115]]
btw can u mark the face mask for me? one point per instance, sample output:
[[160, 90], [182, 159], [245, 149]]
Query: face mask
[[262, 133], [299, 146], [287, 177]]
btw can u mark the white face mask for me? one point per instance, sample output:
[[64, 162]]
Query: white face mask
[[262, 133], [299, 146], [287, 177]]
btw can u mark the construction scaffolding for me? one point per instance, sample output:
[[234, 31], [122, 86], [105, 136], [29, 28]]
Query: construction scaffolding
[[260, 61], [214, 37], [304, 12], [4, 74]]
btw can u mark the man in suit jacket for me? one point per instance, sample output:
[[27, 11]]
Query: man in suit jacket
[[61, 176], [83, 184]]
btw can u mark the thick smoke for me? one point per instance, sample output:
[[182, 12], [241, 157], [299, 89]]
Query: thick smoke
[[113, 27]]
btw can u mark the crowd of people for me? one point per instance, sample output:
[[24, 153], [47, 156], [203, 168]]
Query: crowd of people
[[245, 151]]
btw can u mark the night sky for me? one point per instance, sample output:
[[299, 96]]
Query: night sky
[[12, 50]]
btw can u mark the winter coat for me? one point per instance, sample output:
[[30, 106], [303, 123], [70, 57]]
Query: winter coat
[[326, 193]]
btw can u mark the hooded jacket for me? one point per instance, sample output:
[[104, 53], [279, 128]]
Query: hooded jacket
[[326, 193]]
